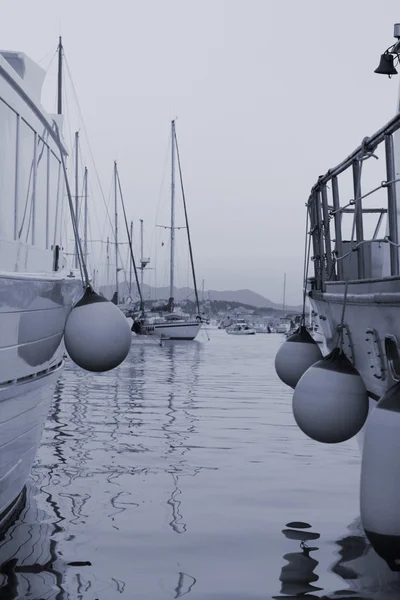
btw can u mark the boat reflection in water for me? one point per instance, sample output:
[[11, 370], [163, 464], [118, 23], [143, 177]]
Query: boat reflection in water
[[366, 575], [29, 564], [298, 575], [84, 487], [177, 427]]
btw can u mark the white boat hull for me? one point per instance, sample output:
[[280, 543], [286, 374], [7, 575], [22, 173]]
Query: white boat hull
[[33, 312], [24, 408], [186, 330], [245, 332], [372, 317]]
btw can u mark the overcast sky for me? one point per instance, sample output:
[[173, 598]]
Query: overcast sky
[[268, 95]]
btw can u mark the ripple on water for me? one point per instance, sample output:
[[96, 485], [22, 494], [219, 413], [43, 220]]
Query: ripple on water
[[179, 473]]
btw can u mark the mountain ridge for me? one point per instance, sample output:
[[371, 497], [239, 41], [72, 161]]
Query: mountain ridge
[[242, 296]]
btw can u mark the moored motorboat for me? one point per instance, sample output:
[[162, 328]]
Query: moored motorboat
[[240, 329], [355, 291]]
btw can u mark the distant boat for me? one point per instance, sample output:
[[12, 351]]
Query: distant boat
[[260, 328], [168, 323], [240, 329]]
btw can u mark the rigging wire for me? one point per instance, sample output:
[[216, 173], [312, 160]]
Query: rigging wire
[[81, 260], [130, 244], [187, 223], [88, 143]]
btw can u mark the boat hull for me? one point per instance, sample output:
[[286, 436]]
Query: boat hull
[[23, 408], [173, 331], [33, 312], [371, 333], [248, 332]]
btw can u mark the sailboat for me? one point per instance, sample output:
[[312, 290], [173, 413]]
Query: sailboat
[[168, 323]]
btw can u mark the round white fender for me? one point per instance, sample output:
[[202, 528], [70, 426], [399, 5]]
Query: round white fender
[[295, 356], [97, 334], [330, 402], [380, 478]]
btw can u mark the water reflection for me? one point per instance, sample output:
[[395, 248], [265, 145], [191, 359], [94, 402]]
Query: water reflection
[[298, 575], [179, 425], [366, 576], [30, 565], [103, 433]]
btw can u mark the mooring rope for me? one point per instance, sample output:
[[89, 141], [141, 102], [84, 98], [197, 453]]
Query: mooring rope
[[357, 207], [80, 255], [307, 247]]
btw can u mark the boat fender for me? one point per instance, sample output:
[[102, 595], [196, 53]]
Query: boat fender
[[330, 402], [295, 356], [380, 481], [97, 335]]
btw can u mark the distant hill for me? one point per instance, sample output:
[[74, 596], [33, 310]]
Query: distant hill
[[244, 297]]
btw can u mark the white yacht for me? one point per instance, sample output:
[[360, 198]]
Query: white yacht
[[36, 290]]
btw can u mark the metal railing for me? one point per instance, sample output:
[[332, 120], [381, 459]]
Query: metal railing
[[328, 262]]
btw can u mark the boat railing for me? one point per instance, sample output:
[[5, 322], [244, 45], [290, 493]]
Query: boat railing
[[358, 249]]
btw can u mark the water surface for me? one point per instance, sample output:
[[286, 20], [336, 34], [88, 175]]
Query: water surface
[[175, 475]]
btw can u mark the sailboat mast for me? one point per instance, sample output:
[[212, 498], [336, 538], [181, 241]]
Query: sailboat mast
[[141, 254], [284, 293], [172, 248], [116, 229], [130, 263], [59, 87], [76, 193], [85, 215], [187, 226], [108, 261]]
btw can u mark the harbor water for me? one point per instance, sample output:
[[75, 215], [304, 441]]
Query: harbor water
[[176, 474]]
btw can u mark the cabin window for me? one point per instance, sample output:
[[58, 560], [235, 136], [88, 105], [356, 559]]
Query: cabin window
[[8, 150], [40, 238], [55, 191], [26, 183], [393, 357]]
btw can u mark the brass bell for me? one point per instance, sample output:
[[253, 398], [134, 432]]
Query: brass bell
[[386, 65]]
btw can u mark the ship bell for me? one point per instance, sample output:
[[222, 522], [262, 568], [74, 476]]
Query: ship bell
[[386, 65]]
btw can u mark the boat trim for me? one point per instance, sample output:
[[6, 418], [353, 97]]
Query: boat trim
[[33, 376], [32, 105], [8, 512], [378, 298]]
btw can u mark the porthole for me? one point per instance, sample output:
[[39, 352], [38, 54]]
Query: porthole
[[393, 356]]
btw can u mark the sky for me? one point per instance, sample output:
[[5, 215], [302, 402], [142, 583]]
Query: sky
[[268, 95]]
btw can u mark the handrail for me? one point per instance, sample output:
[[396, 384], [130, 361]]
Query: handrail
[[368, 144]]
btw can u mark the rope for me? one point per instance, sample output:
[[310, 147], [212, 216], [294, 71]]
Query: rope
[[130, 244], [384, 240], [357, 206], [88, 143], [383, 185], [81, 261], [307, 247]]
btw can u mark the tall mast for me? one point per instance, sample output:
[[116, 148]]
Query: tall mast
[[59, 87], [116, 229], [141, 254], [85, 215], [187, 226], [130, 264], [284, 292], [76, 193], [172, 249], [108, 261]]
